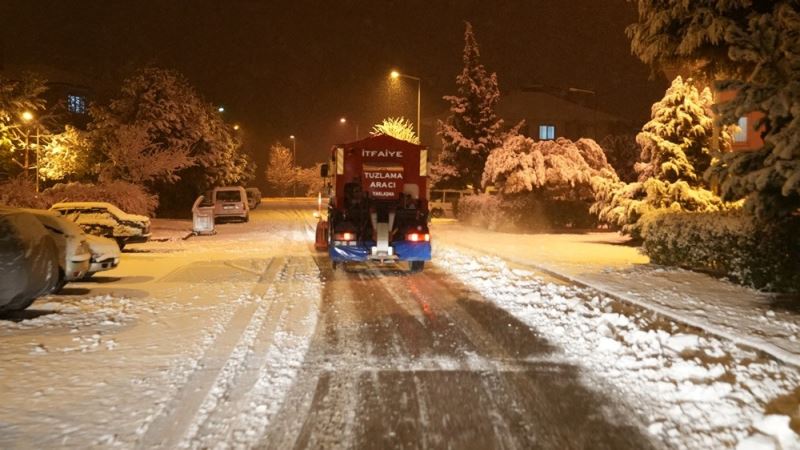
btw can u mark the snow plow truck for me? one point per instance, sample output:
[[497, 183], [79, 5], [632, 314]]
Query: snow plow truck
[[378, 206]]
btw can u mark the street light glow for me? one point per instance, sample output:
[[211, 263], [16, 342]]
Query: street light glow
[[221, 109], [291, 137], [343, 120], [27, 116], [236, 127], [395, 74]]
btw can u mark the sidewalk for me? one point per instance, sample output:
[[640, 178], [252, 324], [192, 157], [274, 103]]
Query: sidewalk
[[767, 322]]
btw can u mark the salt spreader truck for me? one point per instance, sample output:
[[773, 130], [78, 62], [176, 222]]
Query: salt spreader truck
[[378, 208]]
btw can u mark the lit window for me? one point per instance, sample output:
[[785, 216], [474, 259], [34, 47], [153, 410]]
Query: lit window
[[76, 104], [547, 132], [741, 133]]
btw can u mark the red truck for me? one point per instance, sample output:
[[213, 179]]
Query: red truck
[[378, 208]]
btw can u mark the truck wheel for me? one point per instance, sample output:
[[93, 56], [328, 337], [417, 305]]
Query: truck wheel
[[416, 266], [334, 264]]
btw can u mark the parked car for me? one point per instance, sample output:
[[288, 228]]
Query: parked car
[[253, 197], [74, 254], [29, 260], [106, 220], [444, 202], [105, 254], [230, 202]]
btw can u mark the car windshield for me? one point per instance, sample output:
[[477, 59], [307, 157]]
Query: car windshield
[[229, 196]]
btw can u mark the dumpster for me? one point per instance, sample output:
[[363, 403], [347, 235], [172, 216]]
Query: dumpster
[[203, 216]]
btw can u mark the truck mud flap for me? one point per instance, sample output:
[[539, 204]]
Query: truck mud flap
[[412, 251]]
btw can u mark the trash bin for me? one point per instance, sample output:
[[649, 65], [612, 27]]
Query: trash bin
[[203, 217]]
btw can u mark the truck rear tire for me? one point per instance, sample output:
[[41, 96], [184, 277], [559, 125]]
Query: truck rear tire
[[416, 266]]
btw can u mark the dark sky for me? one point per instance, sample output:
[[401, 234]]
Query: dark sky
[[285, 68]]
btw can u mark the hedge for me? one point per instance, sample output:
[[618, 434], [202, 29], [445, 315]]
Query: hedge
[[523, 213], [732, 244]]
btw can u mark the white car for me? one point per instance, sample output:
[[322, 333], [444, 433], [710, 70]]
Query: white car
[[230, 202], [105, 219], [73, 250], [105, 254]]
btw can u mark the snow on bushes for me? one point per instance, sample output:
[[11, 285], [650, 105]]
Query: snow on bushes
[[559, 169], [677, 148], [21, 192], [128, 197], [733, 244]]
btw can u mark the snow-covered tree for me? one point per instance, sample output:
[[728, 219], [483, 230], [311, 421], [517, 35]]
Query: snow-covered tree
[[17, 97], [280, 173], [473, 129], [556, 170], [396, 127], [64, 155], [162, 121], [622, 152], [752, 49], [677, 146], [309, 180]]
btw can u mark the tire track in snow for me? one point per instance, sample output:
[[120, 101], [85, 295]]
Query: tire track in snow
[[215, 366]]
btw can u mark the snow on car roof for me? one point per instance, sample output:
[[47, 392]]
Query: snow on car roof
[[93, 205]]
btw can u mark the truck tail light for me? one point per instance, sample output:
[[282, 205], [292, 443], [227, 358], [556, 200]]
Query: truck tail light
[[346, 236], [418, 237]]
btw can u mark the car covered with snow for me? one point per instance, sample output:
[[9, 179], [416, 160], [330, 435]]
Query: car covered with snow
[[106, 220], [230, 202], [29, 260], [105, 254], [73, 250]]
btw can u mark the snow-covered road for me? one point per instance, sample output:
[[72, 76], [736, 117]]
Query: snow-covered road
[[249, 339]]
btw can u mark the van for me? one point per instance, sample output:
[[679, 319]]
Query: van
[[230, 202], [444, 202]]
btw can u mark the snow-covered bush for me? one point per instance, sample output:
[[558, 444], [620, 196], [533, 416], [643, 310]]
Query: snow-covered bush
[[733, 244], [677, 148], [128, 197], [622, 152], [559, 170], [20, 192], [523, 213]]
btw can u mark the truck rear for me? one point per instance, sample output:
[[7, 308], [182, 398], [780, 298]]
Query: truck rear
[[378, 208]]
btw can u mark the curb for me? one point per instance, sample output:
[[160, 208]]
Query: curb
[[757, 344]]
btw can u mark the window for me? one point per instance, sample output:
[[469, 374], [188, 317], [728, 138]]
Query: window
[[741, 133], [547, 132], [76, 104]]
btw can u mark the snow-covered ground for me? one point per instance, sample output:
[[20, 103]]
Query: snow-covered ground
[[706, 389], [105, 362]]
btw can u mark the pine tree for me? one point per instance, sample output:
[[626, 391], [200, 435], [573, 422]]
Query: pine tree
[[753, 49], [677, 147], [473, 129]]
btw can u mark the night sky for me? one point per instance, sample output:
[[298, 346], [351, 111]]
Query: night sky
[[283, 68]]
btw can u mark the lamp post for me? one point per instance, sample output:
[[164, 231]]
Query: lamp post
[[27, 118], [294, 163], [343, 121], [395, 75]]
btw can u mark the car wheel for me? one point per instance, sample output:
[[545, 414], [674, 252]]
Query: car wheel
[[437, 213], [62, 281], [416, 266], [120, 242], [88, 275], [247, 218]]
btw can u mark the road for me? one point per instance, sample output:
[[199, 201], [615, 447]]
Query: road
[[249, 339]]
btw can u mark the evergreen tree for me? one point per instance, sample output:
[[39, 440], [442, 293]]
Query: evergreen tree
[[473, 129], [751, 48], [676, 148]]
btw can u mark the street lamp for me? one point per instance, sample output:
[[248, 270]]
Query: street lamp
[[221, 109], [236, 127], [294, 163], [28, 117], [343, 121], [395, 75]]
